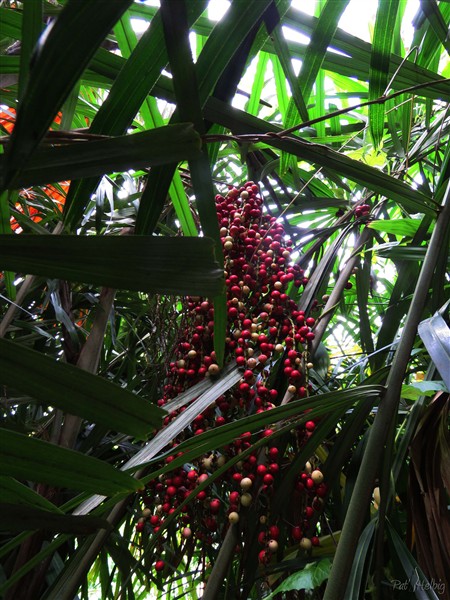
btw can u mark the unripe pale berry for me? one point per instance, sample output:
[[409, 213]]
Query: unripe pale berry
[[246, 483], [317, 476], [376, 495], [213, 369], [233, 517], [305, 544], [246, 499]]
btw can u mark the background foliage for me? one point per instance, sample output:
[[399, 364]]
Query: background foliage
[[113, 146]]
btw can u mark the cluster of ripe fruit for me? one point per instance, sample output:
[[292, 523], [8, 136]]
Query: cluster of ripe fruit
[[264, 329]]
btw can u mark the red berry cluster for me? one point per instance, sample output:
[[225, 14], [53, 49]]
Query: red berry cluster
[[263, 325], [362, 210]]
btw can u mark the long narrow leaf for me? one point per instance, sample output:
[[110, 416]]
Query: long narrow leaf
[[62, 54], [76, 391], [437, 22], [14, 518], [135, 78], [152, 264], [84, 159], [321, 37], [176, 32], [14, 492], [416, 582], [127, 40], [33, 459], [31, 29], [359, 564], [379, 65]]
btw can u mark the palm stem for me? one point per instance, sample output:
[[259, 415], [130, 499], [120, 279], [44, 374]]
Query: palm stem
[[358, 506]]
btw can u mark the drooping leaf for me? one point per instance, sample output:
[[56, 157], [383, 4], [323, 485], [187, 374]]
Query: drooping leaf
[[14, 492], [414, 582], [76, 391], [24, 457], [14, 518]]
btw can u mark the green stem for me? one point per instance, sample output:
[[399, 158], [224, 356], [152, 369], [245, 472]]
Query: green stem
[[358, 506]]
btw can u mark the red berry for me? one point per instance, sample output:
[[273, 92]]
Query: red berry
[[261, 469], [234, 497], [321, 490], [309, 512], [159, 565], [274, 532]]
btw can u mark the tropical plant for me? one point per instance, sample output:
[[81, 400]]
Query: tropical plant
[[217, 245]]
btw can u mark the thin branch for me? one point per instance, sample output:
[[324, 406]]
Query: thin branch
[[338, 289], [254, 138], [65, 137], [88, 360]]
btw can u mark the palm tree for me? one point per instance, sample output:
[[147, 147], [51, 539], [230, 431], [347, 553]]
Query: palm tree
[[217, 246]]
